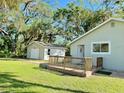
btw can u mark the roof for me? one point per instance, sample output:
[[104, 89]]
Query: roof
[[46, 45], [92, 30]]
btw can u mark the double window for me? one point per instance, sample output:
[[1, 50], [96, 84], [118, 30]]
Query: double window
[[101, 47]]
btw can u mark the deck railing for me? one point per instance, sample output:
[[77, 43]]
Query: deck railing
[[71, 62]]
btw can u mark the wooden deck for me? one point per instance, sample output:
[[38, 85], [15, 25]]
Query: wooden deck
[[71, 65], [67, 70], [70, 71], [73, 71]]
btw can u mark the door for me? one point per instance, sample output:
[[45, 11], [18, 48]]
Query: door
[[46, 54], [81, 51], [35, 53]]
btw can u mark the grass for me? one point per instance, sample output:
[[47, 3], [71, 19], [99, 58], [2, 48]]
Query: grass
[[18, 76]]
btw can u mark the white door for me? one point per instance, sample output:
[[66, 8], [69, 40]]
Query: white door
[[81, 51], [46, 56], [35, 53]]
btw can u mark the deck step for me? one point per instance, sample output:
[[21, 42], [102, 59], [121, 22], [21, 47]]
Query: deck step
[[66, 70], [69, 70]]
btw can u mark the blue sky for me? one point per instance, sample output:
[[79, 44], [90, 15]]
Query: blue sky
[[58, 3], [62, 3]]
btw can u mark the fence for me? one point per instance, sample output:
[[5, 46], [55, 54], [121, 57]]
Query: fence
[[71, 62]]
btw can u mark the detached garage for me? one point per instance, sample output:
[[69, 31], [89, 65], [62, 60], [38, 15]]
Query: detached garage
[[40, 50]]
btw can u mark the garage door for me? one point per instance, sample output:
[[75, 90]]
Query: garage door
[[35, 53]]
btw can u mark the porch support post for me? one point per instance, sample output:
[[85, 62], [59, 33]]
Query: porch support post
[[88, 66]]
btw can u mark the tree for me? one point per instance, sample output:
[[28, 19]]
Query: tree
[[119, 11], [16, 22], [74, 20], [37, 24], [11, 4], [37, 16]]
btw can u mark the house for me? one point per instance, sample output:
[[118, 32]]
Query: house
[[105, 40], [40, 50]]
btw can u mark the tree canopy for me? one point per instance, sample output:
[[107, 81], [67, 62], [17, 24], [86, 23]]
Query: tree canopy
[[28, 20]]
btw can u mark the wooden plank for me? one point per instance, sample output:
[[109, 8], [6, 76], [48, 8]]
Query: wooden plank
[[66, 57]]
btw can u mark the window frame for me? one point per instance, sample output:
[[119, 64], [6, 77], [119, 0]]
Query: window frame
[[102, 42]]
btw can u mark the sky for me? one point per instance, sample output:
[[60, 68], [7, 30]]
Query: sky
[[58, 3], [63, 3]]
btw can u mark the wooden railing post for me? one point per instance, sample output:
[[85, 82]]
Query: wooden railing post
[[50, 59], [88, 66], [57, 60], [83, 63], [65, 60]]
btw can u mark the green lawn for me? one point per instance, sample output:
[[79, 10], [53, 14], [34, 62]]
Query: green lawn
[[21, 77]]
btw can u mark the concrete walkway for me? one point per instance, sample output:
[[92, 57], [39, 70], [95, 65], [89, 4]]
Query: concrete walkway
[[117, 74]]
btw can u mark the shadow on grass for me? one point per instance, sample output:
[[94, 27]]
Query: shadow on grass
[[16, 92], [54, 72], [51, 71], [21, 59], [14, 83], [11, 59]]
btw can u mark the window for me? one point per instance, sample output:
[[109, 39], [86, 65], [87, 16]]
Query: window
[[105, 47], [96, 47], [101, 47]]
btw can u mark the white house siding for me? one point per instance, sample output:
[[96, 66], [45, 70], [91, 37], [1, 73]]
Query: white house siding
[[43, 51], [35, 46], [115, 35], [57, 52], [54, 51]]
